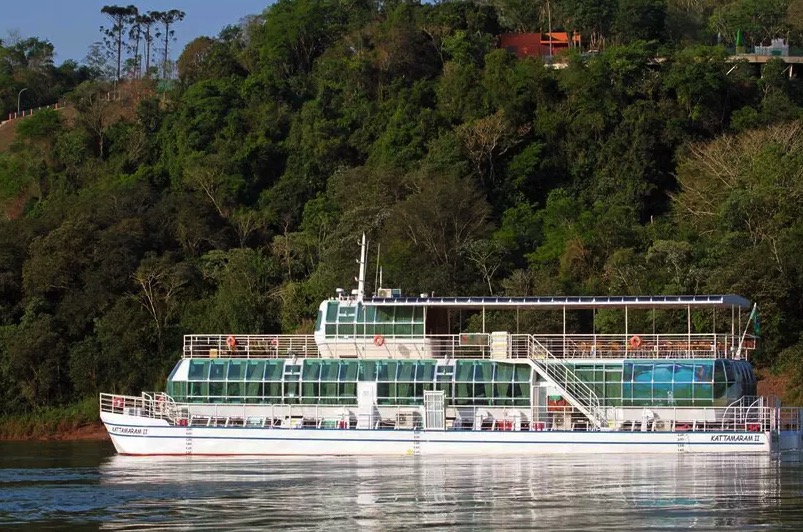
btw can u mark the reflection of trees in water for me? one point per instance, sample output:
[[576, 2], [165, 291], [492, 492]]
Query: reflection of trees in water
[[545, 492]]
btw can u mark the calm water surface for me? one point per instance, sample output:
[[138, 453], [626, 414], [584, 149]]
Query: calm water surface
[[85, 486]]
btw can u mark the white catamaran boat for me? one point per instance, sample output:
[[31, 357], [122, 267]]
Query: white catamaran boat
[[385, 375]]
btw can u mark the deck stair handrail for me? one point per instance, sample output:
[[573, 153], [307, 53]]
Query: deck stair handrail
[[747, 411], [572, 388]]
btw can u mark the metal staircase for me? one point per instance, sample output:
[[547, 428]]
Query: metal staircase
[[574, 390]]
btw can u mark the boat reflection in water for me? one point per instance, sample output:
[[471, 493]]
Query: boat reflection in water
[[559, 492]]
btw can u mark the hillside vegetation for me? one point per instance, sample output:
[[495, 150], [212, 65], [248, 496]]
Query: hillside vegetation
[[233, 204]]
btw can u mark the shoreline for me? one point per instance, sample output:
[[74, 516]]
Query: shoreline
[[91, 432]]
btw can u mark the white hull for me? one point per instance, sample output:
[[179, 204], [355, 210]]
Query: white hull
[[133, 435]]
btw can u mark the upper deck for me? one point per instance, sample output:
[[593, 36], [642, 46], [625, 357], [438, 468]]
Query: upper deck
[[423, 327], [472, 345]]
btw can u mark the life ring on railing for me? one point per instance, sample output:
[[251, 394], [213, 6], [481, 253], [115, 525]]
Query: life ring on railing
[[635, 341], [231, 341], [379, 340], [274, 342]]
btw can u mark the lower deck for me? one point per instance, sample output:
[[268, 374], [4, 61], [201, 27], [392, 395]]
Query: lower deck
[[753, 415]]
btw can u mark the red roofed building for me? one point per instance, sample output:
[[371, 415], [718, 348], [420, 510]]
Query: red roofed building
[[538, 44]]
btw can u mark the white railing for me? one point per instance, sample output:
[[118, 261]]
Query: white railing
[[250, 346], [468, 345], [790, 418], [647, 345], [753, 418], [156, 405]]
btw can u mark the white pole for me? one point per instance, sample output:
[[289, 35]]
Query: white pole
[[361, 278], [18, 99]]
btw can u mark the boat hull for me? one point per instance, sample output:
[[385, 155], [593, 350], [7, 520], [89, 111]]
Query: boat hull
[[133, 435]]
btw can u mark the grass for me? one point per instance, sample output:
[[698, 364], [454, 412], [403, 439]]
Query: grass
[[7, 132], [50, 422]]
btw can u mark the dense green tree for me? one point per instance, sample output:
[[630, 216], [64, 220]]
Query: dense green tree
[[234, 202]]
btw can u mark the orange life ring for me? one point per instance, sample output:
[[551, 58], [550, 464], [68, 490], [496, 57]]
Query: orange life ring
[[231, 341], [379, 341], [635, 342]]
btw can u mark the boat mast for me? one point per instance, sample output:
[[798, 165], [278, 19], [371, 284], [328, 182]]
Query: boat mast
[[361, 278]]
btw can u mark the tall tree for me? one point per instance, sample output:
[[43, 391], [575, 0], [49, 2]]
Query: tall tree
[[135, 36], [146, 22], [166, 32], [120, 18]]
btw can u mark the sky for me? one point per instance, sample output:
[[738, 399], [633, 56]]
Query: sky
[[72, 25]]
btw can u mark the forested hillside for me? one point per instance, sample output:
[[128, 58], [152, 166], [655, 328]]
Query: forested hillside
[[234, 202]]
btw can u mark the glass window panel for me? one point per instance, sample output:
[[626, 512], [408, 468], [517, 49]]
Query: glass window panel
[[628, 371], [331, 311], [272, 391], [291, 393], [703, 392], [406, 370], [330, 370], [200, 390], [425, 371], [523, 373], [236, 370], [367, 370], [403, 329], [331, 329], [386, 370], [730, 374], [384, 315], [255, 370], [273, 370], [345, 330], [217, 392], [319, 321], [383, 393], [234, 391], [348, 370], [464, 371], [347, 382], [627, 394], [253, 389], [404, 314], [199, 370], [504, 372], [311, 370], [703, 372], [310, 391], [218, 370], [719, 371], [483, 371]]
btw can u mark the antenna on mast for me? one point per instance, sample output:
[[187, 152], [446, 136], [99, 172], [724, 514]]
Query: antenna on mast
[[377, 282], [361, 278]]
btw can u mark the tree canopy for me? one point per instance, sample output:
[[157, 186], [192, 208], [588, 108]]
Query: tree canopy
[[232, 202]]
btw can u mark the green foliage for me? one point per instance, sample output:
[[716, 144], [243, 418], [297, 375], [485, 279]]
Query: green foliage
[[233, 203]]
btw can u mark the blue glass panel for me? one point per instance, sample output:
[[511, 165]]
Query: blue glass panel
[[199, 370], [255, 370], [218, 371]]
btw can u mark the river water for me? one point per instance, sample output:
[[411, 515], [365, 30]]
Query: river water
[[84, 485]]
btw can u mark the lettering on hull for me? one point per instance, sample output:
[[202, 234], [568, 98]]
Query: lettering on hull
[[139, 431], [736, 438]]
